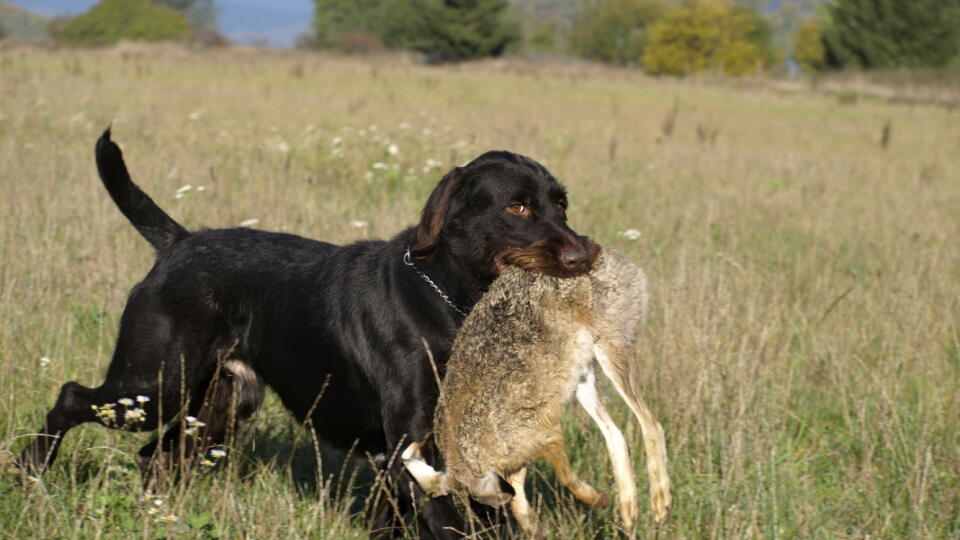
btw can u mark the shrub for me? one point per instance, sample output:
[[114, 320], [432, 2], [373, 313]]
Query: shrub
[[113, 20]]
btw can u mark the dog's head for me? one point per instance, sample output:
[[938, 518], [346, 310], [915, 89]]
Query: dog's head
[[500, 209]]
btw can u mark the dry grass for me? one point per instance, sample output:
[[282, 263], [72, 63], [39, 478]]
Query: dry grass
[[804, 345]]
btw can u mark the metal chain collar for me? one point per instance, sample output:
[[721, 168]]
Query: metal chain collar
[[408, 260]]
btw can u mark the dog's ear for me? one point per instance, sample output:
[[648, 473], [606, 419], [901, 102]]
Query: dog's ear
[[434, 214]]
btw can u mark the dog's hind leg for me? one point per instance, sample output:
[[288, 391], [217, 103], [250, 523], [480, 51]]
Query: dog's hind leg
[[653, 437], [75, 405], [616, 446], [150, 378], [234, 392]]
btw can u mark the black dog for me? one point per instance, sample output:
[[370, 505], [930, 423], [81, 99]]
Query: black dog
[[337, 331]]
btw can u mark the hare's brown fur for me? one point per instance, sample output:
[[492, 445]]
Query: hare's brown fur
[[524, 351]]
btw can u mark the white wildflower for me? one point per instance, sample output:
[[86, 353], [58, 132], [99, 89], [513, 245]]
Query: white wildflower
[[126, 402], [142, 399], [207, 463], [358, 224], [135, 415], [153, 511], [184, 188], [246, 223], [630, 234], [45, 361], [218, 453], [430, 165], [336, 141], [105, 413], [380, 166], [196, 114], [283, 147], [392, 149], [201, 188]]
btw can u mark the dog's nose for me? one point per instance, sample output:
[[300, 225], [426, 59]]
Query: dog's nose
[[571, 258]]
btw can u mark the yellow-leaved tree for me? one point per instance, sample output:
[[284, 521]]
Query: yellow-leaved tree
[[709, 35], [808, 50]]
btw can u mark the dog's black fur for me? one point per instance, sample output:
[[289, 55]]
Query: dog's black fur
[[225, 311]]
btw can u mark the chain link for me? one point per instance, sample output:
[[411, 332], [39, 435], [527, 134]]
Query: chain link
[[408, 260]]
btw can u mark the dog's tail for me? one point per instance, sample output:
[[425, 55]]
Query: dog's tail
[[153, 223]]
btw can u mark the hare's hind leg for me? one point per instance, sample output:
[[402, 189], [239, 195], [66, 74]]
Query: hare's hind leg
[[653, 438], [520, 506], [616, 446], [555, 454]]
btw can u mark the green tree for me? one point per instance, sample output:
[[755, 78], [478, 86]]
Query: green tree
[[452, 30], [709, 35], [808, 50], [444, 30], [614, 31], [334, 20], [201, 14], [891, 33], [110, 21]]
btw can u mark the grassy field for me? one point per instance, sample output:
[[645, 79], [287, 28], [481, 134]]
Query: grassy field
[[803, 346]]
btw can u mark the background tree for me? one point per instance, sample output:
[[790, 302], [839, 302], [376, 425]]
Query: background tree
[[110, 21], [444, 30], [455, 30], [709, 35], [808, 50], [891, 33], [200, 14], [336, 22], [614, 31]]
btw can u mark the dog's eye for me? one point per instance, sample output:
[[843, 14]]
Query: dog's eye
[[519, 209], [562, 207]]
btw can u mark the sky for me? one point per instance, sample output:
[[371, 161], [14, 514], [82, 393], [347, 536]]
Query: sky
[[278, 22]]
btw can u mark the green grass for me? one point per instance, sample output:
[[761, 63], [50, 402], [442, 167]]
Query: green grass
[[802, 345]]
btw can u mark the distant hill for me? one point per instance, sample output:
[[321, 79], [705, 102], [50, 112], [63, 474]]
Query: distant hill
[[19, 23]]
